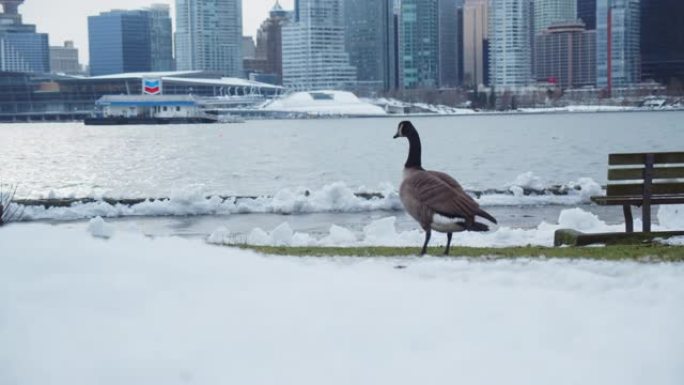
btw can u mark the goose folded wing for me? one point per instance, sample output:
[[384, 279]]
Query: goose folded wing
[[441, 197]]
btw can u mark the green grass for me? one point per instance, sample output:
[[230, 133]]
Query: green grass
[[613, 253]]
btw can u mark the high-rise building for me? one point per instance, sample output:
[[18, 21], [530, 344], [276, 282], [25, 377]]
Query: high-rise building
[[314, 53], [450, 42], [370, 42], [547, 12], [22, 49], [64, 59], [475, 42], [119, 42], [248, 47], [161, 38], [586, 11], [131, 41], [270, 42], [509, 43], [566, 55], [662, 40], [419, 43], [617, 43], [209, 36]]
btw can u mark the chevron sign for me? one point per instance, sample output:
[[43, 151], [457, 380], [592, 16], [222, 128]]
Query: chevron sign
[[152, 86]]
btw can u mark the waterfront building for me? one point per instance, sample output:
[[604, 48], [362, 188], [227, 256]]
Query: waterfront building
[[586, 11], [119, 42], [476, 43], [64, 59], [269, 46], [662, 41], [617, 44], [510, 50], [566, 55], [370, 41], [547, 12], [22, 49], [209, 36], [419, 44], [314, 52], [47, 97], [161, 38]]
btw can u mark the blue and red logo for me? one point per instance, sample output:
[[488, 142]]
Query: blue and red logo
[[152, 86]]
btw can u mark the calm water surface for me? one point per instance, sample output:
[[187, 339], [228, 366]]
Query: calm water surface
[[262, 157]]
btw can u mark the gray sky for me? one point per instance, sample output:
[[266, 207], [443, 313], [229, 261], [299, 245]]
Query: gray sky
[[68, 19]]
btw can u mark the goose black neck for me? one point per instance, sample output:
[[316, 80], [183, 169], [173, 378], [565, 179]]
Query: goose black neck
[[414, 155]]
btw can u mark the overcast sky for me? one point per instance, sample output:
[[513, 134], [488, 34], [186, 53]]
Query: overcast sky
[[68, 19]]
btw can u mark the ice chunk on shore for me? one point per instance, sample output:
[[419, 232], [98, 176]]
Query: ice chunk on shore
[[220, 236], [527, 181], [98, 228]]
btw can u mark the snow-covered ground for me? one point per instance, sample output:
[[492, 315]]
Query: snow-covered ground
[[82, 309]]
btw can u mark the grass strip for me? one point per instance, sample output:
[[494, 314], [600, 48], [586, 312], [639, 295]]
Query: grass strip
[[644, 253]]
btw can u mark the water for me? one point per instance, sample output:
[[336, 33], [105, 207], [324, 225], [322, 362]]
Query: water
[[262, 157], [265, 157]]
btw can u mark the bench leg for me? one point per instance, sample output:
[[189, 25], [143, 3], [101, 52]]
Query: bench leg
[[646, 217], [629, 220]]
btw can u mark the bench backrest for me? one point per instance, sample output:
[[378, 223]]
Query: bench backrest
[[648, 174]]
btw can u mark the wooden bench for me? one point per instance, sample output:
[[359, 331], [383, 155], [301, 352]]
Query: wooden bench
[[643, 180]]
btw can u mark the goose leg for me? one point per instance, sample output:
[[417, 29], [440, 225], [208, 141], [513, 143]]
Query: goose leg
[[428, 233], [449, 235]]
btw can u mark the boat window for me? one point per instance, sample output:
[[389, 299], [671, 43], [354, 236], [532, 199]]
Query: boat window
[[166, 108], [177, 108]]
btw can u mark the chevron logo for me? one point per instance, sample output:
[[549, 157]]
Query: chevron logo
[[152, 86]]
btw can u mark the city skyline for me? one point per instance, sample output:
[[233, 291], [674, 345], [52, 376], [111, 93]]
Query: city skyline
[[50, 19]]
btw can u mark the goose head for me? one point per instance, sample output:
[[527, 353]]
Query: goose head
[[405, 130]]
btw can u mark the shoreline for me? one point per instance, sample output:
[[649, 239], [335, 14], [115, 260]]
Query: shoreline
[[250, 115]]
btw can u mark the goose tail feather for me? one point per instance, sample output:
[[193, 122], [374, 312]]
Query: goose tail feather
[[486, 215]]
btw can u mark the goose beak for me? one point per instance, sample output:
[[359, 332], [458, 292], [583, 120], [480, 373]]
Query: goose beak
[[395, 136]]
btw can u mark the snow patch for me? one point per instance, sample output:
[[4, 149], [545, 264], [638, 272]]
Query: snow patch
[[193, 313]]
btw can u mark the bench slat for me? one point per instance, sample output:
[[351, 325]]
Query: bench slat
[[640, 159], [638, 173], [637, 189], [637, 200]]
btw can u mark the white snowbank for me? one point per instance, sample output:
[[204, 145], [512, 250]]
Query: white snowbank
[[325, 103], [384, 233], [336, 197], [134, 310]]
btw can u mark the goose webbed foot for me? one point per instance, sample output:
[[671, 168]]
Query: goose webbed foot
[[448, 246], [428, 233]]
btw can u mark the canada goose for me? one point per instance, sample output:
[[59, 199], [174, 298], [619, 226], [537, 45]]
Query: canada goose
[[433, 198]]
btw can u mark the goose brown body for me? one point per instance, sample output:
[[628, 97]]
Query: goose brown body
[[435, 199]]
